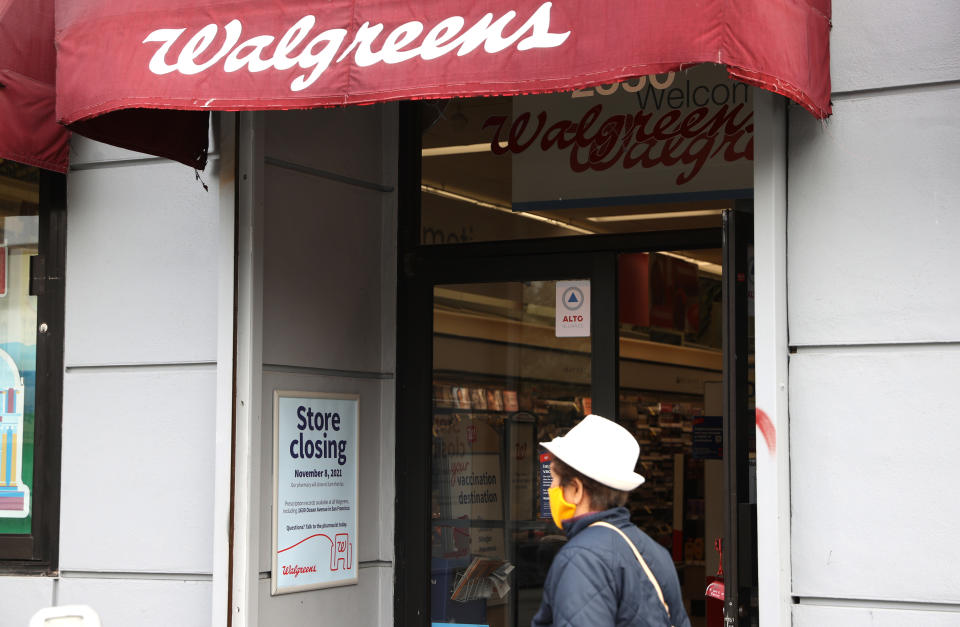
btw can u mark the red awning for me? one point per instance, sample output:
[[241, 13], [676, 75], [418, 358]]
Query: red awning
[[135, 73], [29, 132]]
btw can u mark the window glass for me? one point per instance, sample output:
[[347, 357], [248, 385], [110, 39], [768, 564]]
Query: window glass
[[502, 382], [649, 154], [19, 223]]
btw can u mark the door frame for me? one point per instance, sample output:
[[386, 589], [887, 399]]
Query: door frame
[[421, 267], [740, 524]]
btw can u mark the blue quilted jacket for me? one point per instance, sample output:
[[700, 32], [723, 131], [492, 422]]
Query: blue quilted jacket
[[596, 581]]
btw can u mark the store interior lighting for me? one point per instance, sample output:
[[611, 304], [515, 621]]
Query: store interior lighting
[[465, 149], [663, 215], [443, 193], [706, 267]]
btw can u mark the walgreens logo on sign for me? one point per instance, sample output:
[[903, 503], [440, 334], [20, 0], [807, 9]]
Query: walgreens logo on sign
[[302, 47], [296, 570]]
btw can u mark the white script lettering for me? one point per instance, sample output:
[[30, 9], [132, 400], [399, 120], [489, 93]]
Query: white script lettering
[[367, 46]]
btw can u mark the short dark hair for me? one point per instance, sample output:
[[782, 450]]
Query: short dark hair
[[601, 496]]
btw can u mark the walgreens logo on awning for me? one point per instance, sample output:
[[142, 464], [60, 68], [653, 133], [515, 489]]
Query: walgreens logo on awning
[[301, 46]]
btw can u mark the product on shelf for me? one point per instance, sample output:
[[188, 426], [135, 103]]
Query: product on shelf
[[510, 401], [478, 398], [494, 400]]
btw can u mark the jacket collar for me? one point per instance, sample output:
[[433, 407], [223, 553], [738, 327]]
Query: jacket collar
[[618, 516]]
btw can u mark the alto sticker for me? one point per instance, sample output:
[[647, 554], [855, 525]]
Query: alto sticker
[[573, 309]]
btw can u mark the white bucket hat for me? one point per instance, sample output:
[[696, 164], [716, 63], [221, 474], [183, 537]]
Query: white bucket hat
[[600, 449]]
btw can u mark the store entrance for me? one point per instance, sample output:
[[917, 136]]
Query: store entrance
[[505, 349]]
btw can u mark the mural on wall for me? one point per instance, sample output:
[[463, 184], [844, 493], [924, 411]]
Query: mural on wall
[[14, 494]]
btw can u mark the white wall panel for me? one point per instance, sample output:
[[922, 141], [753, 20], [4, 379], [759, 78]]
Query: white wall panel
[[344, 141], [321, 285], [21, 597], [84, 152], [361, 604], [137, 487], [141, 266], [874, 209], [827, 616], [874, 473], [388, 248], [141, 603], [370, 516], [385, 575], [329, 301], [884, 43]]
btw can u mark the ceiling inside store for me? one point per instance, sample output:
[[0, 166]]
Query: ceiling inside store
[[460, 169]]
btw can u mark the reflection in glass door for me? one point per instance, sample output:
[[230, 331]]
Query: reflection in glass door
[[502, 381]]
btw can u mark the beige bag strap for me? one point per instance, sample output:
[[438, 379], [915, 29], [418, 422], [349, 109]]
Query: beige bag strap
[[640, 559]]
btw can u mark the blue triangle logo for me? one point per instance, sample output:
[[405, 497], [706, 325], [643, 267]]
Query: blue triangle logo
[[573, 298]]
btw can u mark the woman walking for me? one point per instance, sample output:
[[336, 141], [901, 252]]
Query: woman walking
[[609, 573]]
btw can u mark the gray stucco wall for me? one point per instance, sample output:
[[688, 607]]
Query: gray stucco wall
[[329, 316], [873, 217], [139, 394]]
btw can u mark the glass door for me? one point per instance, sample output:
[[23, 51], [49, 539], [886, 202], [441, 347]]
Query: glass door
[[511, 367], [500, 352], [497, 352]]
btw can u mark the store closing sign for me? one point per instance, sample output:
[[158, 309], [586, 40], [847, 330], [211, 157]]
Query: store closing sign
[[573, 309], [315, 491]]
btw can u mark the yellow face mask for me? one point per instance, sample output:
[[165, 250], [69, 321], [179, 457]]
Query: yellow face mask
[[560, 509]]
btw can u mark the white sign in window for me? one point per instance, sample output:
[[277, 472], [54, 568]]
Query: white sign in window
[[573, 308]]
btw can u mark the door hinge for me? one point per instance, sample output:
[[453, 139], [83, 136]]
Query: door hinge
[[38, 275]]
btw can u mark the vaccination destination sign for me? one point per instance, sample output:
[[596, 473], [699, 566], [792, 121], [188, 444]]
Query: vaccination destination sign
[[314, 490]]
